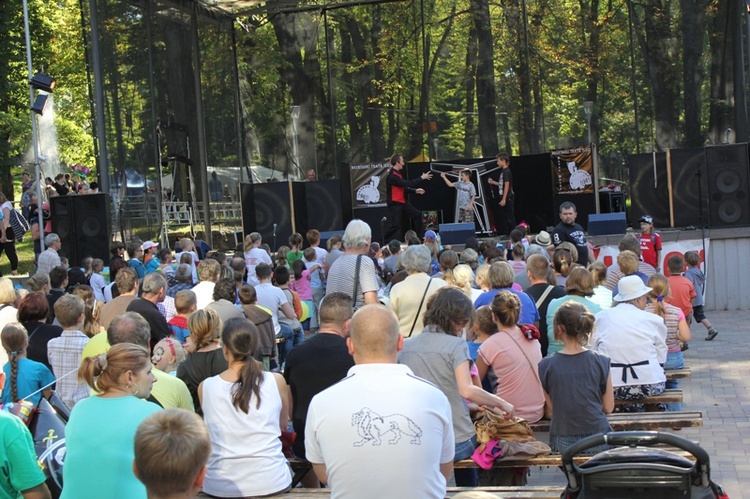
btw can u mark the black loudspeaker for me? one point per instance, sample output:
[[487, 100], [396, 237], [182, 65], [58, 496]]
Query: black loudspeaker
[[607, 223], [611, 202], [689, 186], [728, 185], [264, 205], [649, 187], [323, 205], [456, 233], [84, 226]]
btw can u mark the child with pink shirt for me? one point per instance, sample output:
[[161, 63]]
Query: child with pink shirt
[[302, 278]]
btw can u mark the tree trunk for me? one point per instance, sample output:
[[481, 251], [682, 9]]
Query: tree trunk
[[470, 132], [693, 34], [296, 36], [727, 99], [592, 43], [356, 134], [485, 78], [657, 43]]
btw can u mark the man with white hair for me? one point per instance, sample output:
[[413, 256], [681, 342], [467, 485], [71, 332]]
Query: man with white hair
[[49, 259], [353, 273]]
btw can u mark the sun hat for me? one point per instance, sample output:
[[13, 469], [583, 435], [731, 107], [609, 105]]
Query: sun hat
[[631, 287], [543, 238], [148, 245]]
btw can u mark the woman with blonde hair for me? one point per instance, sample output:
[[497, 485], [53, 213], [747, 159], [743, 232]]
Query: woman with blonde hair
[[255, 255], [8, 312], [462, 278], [91, 325], [104, 425], [206, 358], [678, 329]]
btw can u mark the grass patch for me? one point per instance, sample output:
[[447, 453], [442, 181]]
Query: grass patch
[[25, 252]]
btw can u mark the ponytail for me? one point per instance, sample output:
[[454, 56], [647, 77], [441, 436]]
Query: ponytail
[[241, 339], [248, 385], [14, 376], [659, 285]]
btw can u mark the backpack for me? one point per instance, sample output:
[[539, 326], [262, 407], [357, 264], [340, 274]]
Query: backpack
[[19, 224], [297, 304]]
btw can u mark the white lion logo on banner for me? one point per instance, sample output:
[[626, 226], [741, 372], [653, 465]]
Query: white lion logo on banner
[[579, 179], [369, 193]]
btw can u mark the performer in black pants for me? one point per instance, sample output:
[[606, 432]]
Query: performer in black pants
[[503, 198], [397, 187]]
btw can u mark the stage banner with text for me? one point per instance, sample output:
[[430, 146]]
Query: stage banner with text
[[572, 171], [368, 185]]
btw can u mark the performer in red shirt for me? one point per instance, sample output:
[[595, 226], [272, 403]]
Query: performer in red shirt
[[650, 243], [397, 187]]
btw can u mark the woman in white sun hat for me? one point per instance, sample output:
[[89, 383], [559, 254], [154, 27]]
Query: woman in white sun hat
[[634, 341]]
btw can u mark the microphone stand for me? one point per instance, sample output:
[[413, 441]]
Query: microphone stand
[[274, 237], [382, 230]]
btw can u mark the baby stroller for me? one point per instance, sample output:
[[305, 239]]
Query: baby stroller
[[634, 469]]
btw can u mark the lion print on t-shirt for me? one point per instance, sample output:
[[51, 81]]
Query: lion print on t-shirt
[[372, 428]]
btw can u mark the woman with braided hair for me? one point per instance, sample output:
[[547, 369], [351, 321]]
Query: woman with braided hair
[[23, 377], [104, 425]]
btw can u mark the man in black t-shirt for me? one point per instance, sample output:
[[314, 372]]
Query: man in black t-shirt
[[503, 198], [569, 230], [319, 362]]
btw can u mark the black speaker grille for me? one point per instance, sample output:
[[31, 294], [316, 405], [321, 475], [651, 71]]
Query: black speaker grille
[[728, 185]]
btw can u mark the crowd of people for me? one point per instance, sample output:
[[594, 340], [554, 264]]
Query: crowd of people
[[200, 372]]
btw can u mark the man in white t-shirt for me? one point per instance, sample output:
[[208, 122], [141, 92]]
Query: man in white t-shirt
[[365, 431]]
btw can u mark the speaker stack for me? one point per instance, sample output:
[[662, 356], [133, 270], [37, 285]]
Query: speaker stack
[[728, 185], [84, 226]]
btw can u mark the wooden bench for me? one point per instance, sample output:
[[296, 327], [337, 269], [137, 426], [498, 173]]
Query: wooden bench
[[526, 492], [668, 396], [683, 373], [642, 421]]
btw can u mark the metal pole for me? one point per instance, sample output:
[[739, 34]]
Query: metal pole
[[102, 160], [34, 132], [163, 234], [202, 155]]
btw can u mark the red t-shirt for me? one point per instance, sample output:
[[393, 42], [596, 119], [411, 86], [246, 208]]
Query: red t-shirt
[[650, 244], [681, 293]]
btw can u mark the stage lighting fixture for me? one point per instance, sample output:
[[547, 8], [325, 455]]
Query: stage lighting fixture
[[41, 81], [39, 104]]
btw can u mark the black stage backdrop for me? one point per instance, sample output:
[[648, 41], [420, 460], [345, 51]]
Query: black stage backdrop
[[649, 190]]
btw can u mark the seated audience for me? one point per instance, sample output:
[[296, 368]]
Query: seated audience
[[206, 358], [579, 287], [171, 451], [409, 297], [635, 340], [245, 409], [65, 352], [513, 358], [576, 381], [319, 362], [32, 314], [440, 356], [358, 462], [24, 379], [123, 376]]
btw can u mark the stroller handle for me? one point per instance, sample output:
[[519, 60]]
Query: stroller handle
[[643, 438]]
